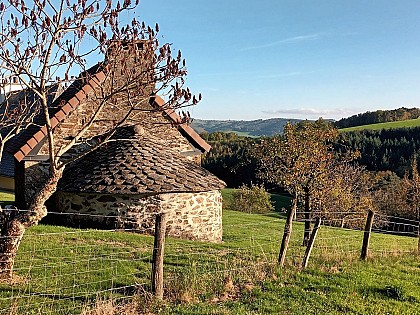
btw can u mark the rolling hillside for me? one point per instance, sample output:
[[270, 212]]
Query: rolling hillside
[[387, 125], [378, 116], [273, 126], [256, 128]]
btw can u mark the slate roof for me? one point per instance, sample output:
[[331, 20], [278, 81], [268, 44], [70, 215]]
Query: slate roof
[[136, 164], [25, 95], [7, 166]]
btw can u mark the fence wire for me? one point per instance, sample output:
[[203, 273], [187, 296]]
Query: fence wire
[[62, 270]]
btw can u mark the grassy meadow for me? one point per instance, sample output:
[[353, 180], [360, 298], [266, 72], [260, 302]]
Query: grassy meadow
[[63, 271], [6, 198], [388, 125]]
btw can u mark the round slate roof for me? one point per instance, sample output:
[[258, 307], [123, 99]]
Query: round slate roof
[[136, 164]]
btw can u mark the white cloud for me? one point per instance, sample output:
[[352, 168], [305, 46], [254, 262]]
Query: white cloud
[[290, 40], [283, 75], [311, 113]]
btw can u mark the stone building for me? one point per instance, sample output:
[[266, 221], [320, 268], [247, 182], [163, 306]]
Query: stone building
[[126, 180], [125, 183]]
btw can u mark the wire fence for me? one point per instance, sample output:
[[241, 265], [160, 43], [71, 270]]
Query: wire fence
[[61, 270]]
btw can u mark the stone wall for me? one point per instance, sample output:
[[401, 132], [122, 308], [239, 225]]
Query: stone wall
[[195, 216]]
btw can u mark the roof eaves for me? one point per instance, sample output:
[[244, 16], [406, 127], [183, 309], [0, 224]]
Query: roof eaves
[[65, 109], [190, 133]]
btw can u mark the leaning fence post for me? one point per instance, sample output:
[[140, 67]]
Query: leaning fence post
[[311, 243], [366, 236], [287, 233], [158, 250], [418, 236]]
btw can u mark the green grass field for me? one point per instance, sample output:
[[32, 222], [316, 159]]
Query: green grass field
[[280, 202], [6, 196], [389, 125], [60, 270], [244, 134]]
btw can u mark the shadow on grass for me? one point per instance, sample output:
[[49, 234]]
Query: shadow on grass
[[282, 203], [275, 215], [395, 292]]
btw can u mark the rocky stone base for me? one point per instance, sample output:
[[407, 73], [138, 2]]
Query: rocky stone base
[[195, 216]]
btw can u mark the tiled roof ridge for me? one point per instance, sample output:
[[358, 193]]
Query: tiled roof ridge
[[94, 77], [188, 132], [65, 107]]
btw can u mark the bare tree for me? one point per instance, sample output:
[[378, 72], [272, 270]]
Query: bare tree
[[47, 43]]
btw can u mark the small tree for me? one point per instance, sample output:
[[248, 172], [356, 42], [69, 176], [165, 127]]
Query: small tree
[[299, 160], [345, 197], [411, 185], [253, 199], [46, 42]]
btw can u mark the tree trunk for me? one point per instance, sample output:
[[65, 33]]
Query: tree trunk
[[9, 245], [15, 225], [307, 232]]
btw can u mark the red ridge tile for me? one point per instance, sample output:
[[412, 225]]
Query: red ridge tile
[[32, 142], [19, 156]]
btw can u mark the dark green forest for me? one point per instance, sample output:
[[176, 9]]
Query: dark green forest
[[386, 149], [231, 157]]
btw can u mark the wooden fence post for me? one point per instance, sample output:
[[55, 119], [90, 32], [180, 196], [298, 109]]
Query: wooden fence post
[[287, 233], [158, 251], [311, 243], [366, 236], [418, 236]]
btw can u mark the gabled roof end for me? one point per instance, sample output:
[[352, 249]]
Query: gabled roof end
[[157, 102]]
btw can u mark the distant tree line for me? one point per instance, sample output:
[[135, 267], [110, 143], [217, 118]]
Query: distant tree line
[[230, 158], [259, 127], [379, 116]]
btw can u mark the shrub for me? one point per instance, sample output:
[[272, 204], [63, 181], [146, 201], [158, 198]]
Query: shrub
[[254, 199]]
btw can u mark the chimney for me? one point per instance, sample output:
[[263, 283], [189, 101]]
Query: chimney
[[133, 60], [9, 85], [118, 49]]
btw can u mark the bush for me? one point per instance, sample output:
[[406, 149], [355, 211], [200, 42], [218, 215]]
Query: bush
[[254, 199]]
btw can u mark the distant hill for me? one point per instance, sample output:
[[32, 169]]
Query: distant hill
[[379, 116], [410, 123], [254, 128]]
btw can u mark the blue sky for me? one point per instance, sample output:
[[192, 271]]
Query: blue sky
[[294, 59]]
